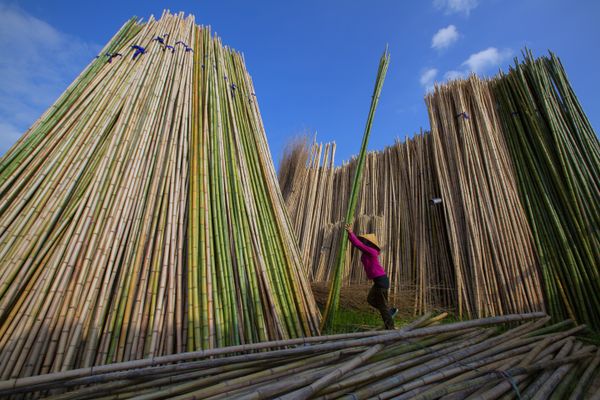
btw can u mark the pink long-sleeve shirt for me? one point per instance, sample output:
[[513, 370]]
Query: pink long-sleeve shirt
[[369, 257]]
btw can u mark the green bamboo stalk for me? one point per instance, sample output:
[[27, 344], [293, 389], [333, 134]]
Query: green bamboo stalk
[[335, 285]]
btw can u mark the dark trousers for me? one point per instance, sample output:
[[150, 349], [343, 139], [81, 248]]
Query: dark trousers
[[378, 298]]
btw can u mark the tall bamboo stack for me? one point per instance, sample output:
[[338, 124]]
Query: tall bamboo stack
[[306, 181], [395, 202], [516, 167], [495, 264], [508, 357], [556, 154], [140, 215]]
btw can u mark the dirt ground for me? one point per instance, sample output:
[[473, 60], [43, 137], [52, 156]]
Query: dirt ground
[[355, 298]]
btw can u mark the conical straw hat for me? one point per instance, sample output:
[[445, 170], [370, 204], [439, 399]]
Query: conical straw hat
[[371, 238]]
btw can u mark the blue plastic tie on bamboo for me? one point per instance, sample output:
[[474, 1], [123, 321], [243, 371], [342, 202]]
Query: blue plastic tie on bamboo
[[463, 114], [170, 48], [500, 373], [138, 50], [511, 380], [181, 42], [159, 40], [111, 56], [188, 49]]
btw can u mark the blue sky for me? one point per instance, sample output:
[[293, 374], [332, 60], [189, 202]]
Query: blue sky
[[313, 62]]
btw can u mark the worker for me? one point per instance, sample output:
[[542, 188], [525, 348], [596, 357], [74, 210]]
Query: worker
[[378, 295]]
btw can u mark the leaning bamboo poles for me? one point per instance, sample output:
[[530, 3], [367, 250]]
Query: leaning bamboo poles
[[497, 271], [517, 164], [395, 202], [140, 216], [556, 155], [423, 360], [482, 255]]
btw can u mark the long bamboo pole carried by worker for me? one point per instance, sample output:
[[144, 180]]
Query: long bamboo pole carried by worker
[[334, 290]]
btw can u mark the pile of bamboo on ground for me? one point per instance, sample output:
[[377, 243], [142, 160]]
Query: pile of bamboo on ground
[[140, 215], [556, 155], [424, 360], [493, 254], [395, 202]]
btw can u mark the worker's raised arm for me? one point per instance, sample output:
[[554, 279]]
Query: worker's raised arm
[[358, 244]]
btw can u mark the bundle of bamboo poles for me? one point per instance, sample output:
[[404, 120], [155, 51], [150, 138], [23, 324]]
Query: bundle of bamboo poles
[[306, 181], [556, 155], [395, 203], [495, 263], [424, 360], [140, 215]]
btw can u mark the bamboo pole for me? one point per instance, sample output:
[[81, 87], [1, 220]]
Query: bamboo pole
[[334, 290]]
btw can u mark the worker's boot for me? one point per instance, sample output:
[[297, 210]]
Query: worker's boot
[[393, 312]]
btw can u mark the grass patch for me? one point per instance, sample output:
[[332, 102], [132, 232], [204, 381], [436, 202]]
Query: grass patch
[[356, 315], [351, 320], [592, 337], [348, 320]]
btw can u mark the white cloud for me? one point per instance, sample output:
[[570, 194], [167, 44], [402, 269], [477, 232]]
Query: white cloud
[[456, 6], [427, 78], [480, 63], [486, 59], [37, 65], [451, 75], [444, 37]]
